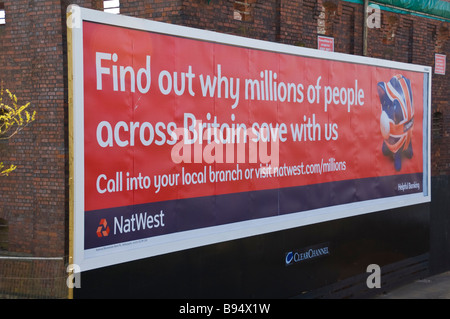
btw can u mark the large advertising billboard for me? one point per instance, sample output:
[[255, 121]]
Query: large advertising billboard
[[184, 137]]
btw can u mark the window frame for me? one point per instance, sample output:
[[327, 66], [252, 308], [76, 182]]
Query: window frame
[[111, 6], [2, 14], [4, 236]]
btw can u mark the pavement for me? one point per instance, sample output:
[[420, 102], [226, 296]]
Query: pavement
[[434, 287]]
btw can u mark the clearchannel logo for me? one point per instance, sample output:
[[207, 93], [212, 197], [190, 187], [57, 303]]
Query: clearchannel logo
[[289, 258], [306, 254]]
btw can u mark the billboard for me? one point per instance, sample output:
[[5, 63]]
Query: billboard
[[183, 137]]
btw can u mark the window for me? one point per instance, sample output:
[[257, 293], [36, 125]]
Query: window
[[111, 6], [3, 235], [326, 18], [437, 125], [2, 14], [242, 10]]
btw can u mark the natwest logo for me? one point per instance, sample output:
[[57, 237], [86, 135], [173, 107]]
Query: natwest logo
[[138, 222], [103, 229], [134, 223]]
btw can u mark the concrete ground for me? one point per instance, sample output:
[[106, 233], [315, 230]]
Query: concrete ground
[[434, 287]]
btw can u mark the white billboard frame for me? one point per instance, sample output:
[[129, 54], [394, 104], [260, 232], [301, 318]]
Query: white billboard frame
[[200, 237]]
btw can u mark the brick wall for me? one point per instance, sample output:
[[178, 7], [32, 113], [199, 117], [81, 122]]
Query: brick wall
[[441, 106], [33, 198], [33, 66]]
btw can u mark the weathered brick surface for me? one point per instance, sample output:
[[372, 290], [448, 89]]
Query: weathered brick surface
[[34, 199]]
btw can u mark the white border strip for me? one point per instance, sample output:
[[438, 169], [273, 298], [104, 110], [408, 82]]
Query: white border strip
[[30, 258], [212, 235]]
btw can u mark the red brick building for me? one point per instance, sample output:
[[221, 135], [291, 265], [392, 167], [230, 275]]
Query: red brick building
[[35, 197]]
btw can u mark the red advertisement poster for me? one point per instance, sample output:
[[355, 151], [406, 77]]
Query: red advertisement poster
[[324, 118]]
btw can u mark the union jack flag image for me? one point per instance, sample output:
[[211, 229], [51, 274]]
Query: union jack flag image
[[397, 118]]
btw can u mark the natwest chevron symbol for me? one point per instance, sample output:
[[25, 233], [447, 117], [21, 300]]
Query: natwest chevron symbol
[[103, 229]]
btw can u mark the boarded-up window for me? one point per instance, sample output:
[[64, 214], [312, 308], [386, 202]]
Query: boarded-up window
[[242, 10], [4, 240]]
